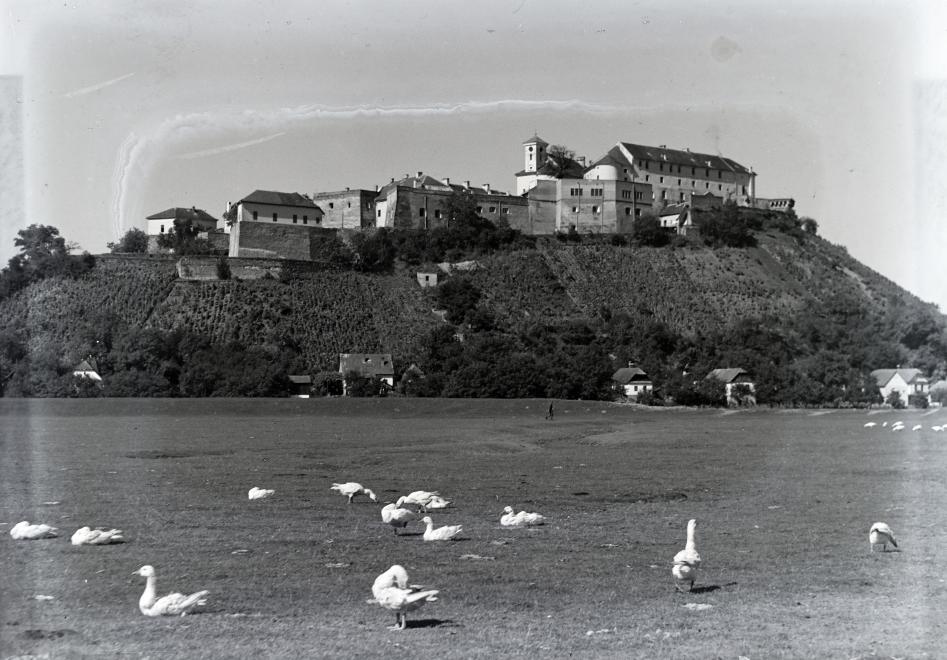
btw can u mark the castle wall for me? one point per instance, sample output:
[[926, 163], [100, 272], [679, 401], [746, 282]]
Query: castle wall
[[347, 209], [274, 241]]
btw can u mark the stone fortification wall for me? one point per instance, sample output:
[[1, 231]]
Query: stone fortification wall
[[208, 268], [275, 241]]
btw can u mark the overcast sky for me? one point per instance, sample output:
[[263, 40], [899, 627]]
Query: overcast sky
[[126, 108]]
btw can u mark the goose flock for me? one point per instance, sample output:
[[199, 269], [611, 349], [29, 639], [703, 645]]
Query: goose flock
[[391, 590]]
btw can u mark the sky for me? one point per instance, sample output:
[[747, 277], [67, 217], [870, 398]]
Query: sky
[[111, 111]]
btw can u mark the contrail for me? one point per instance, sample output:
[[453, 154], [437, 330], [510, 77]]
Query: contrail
[[138, 153], [229, 147], [97, 87]]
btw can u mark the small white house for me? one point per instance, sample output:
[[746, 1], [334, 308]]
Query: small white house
[[88, 369], [632, 381], [735, 379], [906, 382], [367, 365]]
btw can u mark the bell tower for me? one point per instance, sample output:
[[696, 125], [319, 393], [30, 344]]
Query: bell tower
[[534, 154]]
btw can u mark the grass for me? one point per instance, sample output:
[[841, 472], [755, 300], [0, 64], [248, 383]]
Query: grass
[[784, 499]]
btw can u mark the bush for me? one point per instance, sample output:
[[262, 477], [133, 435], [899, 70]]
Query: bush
[[894, 400], [918, 401]]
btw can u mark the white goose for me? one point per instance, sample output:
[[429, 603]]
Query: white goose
[[397, 517], [352, 488], [868, 425], [259, 493], [445, 533], [881, 534], [437, 502], [24, 531], [97, 536], [392, 591], [521, 519], [172, 604], [687, 561], [419, 498]]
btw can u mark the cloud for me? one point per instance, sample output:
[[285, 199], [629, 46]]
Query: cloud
[[96, 87], [230, 147]]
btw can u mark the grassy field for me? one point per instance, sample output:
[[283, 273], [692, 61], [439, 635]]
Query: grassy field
[[784, 501]]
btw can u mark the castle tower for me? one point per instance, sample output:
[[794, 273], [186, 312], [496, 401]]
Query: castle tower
[[534, 154]]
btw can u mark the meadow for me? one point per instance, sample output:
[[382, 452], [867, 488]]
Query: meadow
[[784, 500]]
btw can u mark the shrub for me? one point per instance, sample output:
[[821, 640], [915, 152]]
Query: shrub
[[894, 400]]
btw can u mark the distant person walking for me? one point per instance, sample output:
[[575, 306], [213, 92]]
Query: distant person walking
[[551, 412]]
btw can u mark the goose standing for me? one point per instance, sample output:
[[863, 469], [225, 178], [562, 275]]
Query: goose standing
[[172, 604], [24, 531], [351, 488], [881, 534], [521, 519], [445, 533], [687, 561], [397, 517], [392, 591], [259, 493], [97, 536]]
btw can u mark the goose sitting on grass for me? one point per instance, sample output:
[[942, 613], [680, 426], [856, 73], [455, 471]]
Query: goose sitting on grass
[[351, 488], [397, 517], [881, 534], [437, 502], [24, 531], [445, 533], [392, 591], [687, 561], [170, 605], [97, 536], [259, 493], [521, 519]]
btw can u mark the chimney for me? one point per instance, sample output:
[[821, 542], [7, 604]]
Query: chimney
[[447, 180], [392, 179], [486, 187], [346, 188], [467, 184], [420, 173], [376, 187]]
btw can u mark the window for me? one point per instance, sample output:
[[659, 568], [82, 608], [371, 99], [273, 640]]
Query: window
[[647, 177], [682, 197], [637, 213], [678, 182], [437, 213], [664, 194], [421, 213], [597, 192], [505, 209], [493, 209], [719, 187], [349, 205], [661, 166], [693, 171], [575, 192], [274, 217], [706, 184], [162, 228], [378, 213], [719, 174], [305, 219], [254, 215], [331, 205], [295, 219], [660, 179], [707, 172], [575, 209], [627, 210], [626, 194], [479, 209], [638, 194], [595, 209]]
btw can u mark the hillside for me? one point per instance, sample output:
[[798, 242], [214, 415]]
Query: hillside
[[560, 314]]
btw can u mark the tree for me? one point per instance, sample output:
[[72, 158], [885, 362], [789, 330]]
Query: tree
[[134, 241], [560, 160], [894, 400], [810, 226], [647, 230], [183, 238], [43, 253], [458, 297]]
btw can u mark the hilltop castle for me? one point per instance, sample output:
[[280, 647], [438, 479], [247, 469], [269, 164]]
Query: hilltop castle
[[555, 192]]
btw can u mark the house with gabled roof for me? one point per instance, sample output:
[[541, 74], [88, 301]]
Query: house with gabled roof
[[908, 383], [273, 207], [738, 385], [367, 365], [163, 221], [272, 224], [632, 381], [89, 370]]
